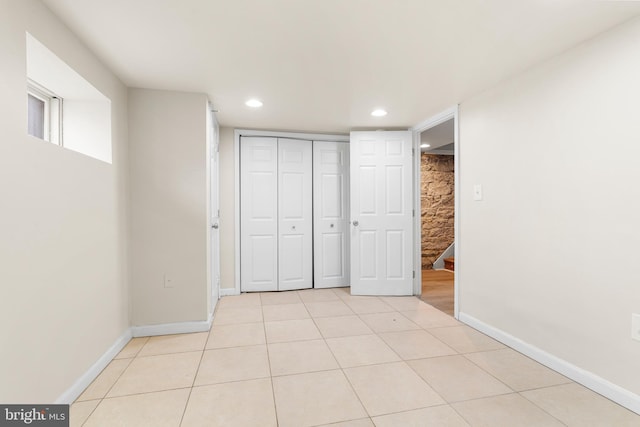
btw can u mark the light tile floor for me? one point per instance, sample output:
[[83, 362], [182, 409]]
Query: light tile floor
[[324, 357]]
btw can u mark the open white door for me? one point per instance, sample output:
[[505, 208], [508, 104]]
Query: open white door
[[381, 213], [215, 210]]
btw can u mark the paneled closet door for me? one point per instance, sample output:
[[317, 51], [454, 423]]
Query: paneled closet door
[[258, 214], [295, 252], [331, 214]]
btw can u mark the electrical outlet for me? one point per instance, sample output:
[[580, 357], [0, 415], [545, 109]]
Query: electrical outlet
[[635, 326], [168, 281]]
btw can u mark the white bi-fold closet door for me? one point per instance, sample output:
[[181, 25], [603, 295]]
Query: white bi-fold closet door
[[276, 227], [331, 214]]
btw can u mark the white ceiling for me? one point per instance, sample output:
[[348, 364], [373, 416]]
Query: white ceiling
[[324, 65]]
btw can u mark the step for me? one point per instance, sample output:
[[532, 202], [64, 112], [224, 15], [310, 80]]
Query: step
[[449, 264]]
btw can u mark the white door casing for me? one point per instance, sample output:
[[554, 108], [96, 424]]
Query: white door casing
[[331, 214], [381, 213], [295, 250], [259, 214]]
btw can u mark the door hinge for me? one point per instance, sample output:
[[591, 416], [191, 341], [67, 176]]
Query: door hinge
[[414, 274], [413, 213], [413, 152]]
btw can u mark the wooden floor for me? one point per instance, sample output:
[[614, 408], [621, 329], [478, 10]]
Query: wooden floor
[[437, 289]]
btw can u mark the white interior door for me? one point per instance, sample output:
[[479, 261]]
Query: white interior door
[[330, 214], [215, 210], [258, 214], [295, 256], [381, 213]]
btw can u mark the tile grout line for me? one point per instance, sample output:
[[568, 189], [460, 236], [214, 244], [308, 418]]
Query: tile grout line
[[266, 344]]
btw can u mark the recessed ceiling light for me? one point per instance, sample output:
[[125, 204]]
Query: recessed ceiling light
[[378, 113], [254, 103], [425, 145]]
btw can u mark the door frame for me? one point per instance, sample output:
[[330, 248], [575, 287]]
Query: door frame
[[449, 113], [237, 134]]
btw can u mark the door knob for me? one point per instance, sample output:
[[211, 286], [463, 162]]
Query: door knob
[[215, 226], [356, 223]]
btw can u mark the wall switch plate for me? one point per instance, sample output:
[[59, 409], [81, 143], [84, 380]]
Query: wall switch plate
[[168, 282], [477, 192], [635, 326]]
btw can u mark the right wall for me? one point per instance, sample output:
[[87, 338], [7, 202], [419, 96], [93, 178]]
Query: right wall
[[550, 255]]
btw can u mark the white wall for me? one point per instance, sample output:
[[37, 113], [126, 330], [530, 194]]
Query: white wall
[[169, 210], [63, 222], [227, 209], [550, 255]]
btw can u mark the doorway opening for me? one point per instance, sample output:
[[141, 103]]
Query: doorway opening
[[437, 172]]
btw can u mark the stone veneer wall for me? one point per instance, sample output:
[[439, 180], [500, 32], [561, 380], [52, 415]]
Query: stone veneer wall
[[437, 185]]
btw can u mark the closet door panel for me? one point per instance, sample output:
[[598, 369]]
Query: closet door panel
[[331, 214], [295, 251], [258, 214]]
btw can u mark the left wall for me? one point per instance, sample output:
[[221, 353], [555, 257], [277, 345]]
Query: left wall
[[63, 225]]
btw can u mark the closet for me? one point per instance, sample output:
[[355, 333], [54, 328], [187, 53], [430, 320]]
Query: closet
[[293, 214]]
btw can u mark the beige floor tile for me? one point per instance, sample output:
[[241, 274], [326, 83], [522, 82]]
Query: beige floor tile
[[510, 410], [155, 373], [577, 406], [362, 422], [222, 336], [416, 344], [276, 312], [361, 350], [318, 295], [179, 343], [388, 322], [315, 398], [430, 318], [300, 356], [328, 308], [80, 411], [464, 339], [286, 297], [391, 387], [237, 404], [437, 416], [233, 364], [291, 330], [132, 348], [364, 305], [107, 378], [158, 409], [240, 301], [229, 316], [456, 378], [342, 326], [342, 292], [406, 303], [516, 370]]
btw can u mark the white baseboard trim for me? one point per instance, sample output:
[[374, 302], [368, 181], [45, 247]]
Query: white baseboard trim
[[588, 379], [69, 396], [172, 328], [225, 292]]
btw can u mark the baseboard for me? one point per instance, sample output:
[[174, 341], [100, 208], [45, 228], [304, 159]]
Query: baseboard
[[225, 292], [172, 328], [87, 378], [588, 379]]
